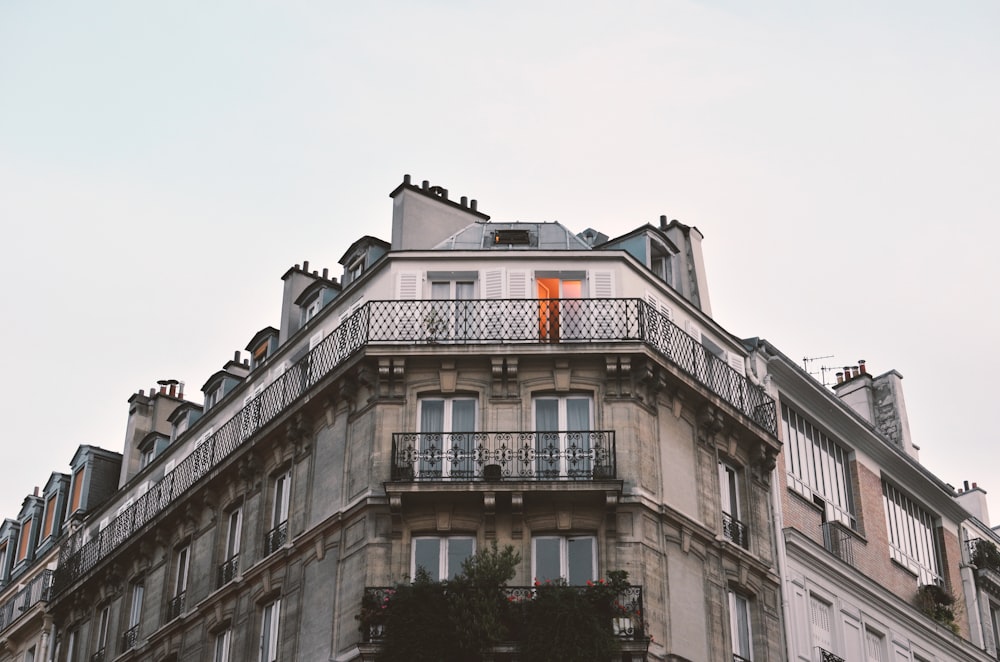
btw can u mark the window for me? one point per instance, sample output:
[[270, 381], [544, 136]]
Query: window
[[71, 646], [562, 439], [560, 315], [131, 634], [182, 564], [278, 534], [573, 559], [24, 540], [29, 655], [103, 623], [146, 457], [874, 646], [76, 503], [269, 632], [222, 645], [995, 628], [310, 309], [212, 397], [821, 621], [733, 527], [817, 467], [50, 515], [441, 557], [451, 315], [231, 565], [739, 626], [446, 448], [911, 535]]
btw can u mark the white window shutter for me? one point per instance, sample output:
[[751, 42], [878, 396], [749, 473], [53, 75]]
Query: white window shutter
[[655, 303], [517, 284], [602, 284], [493, 284], [737, 363], [692, 330], [407, 285]]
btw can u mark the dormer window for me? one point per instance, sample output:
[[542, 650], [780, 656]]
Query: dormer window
[[309, 311], [355, 268], [661, 262], [213, 397]]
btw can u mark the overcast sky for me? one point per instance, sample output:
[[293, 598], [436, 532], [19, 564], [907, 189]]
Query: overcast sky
[[162, 164]]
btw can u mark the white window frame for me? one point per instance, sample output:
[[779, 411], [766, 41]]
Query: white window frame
[[444, 570], [562, 436], [281, 492], [452, 457], [234, 533], [135, 604], [223, 642], [912, 534], [564, 560], [103, 625], [742, 641], [875, 650], [182, 569], [269, 620]]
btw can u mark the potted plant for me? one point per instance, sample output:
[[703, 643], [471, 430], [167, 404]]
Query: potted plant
[[938, 603]]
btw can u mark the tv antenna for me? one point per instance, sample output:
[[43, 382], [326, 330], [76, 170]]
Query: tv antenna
[[807, 360]]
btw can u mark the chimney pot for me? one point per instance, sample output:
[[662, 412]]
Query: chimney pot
[[236, 356], [847, 373], [406, 179], [861, 364], [472, 204], [965, 484], [425, 184], [173, 390], [840, 378], [36, 490], [663, 221], [180, 390], [163, 389], [305, 266], [465, 201], [326, 273], [974, 486]]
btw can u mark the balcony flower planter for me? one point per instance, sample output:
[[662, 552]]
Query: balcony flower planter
[[492, 472]]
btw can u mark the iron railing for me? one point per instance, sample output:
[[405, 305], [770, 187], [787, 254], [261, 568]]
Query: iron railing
[[229, 570], [35, 591], [827, 656], [98, 655], [583, 455], [626, 621], [838, 542], [275, 538], [130, 637], [735, 530], [521, 321], [176, 606]]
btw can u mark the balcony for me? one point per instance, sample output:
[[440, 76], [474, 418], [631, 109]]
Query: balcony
[[735, 530], [838, 542], [98, 655], [427, 323], [495, 456], [827, 656], [626, 622], [275, 538], [130, 637], [228, 570], [34, 592], [176, 606]]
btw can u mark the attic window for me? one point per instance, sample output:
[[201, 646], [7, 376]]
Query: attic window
[[512, 237]]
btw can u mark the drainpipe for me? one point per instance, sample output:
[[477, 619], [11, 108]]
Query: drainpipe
[[967, 571], [779, 555]]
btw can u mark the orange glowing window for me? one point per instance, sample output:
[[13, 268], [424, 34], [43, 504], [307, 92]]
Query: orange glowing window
[[50, 515], [77, 490], [22, 545]]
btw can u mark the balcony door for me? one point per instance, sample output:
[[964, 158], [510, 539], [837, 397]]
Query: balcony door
[[446, 435], [560, 315], [562, 436], [451, 315]]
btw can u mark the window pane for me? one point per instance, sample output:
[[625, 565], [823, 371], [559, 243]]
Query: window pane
[[547, 414], [427, 555], [580, 552], [432, 415], [459, 549], [547, 564], [578, 414]]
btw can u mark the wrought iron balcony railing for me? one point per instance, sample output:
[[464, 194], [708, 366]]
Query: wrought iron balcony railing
[[176, 606], [130, 637], [827, 656], [98, 655], [275, 538], [35, 591], [838, 542], [735, 530], [458, 456], [626, 621], [508, 321], [229, 570]]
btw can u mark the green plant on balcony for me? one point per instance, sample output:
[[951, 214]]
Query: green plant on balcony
[[985, 556], [938, 603], [565, 622]]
